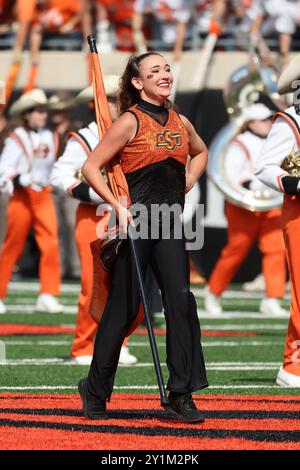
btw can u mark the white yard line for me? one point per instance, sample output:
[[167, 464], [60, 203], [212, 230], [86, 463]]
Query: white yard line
[[35, 287], [236, 314], [135, 344], [240, 316], [234, 294], [31, 309], [214, 327], [218, 366], [74, 287], [37, 343], [149, 387], [244, 327], [211, 344]]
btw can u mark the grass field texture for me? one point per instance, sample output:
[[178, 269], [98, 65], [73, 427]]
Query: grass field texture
[[243, 351]]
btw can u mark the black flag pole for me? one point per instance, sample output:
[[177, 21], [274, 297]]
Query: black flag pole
[[162, 390]]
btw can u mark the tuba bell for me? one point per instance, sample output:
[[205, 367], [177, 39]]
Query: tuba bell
[[243, 89]]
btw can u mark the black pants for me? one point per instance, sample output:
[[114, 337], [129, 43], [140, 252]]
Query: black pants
[[185, 360]]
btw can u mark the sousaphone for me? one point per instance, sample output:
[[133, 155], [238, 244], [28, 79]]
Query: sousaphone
[[243, 89]]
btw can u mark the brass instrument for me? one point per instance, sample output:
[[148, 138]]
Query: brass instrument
[[291, 164], [80, 176], [242, 90]]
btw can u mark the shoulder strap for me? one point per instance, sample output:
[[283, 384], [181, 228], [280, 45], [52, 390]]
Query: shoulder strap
[[82, 141], [20, 142], [56, 144], [244, 148], [291, 121]]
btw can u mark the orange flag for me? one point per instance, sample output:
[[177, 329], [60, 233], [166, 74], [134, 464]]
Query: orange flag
[[116, 178]]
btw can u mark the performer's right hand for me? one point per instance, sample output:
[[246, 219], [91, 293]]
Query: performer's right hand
[[25, 180], [125, 218]]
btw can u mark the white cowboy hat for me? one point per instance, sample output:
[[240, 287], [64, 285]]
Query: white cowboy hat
[[56, 103], [29, 100], [288, 76], [255, 112], [111, 85]]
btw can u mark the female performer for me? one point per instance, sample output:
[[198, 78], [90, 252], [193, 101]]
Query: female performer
[[153, 143]]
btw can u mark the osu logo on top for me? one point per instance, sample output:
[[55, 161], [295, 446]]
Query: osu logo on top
[[42, 151], [168, 139]]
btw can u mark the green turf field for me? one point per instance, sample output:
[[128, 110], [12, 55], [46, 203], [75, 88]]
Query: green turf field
[[236, 364]]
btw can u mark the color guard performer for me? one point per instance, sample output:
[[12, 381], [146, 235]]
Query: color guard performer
[[278, 168], [245, 226], [25, 166], [153, 143], [66, 179]]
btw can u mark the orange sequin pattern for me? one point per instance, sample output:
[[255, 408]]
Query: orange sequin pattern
[[154, 142]]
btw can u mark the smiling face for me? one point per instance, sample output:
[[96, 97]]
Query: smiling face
[[155, 81]]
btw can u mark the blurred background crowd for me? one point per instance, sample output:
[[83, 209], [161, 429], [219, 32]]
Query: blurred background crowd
[[129, 25]]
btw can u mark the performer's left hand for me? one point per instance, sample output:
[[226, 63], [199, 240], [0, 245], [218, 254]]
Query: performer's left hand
[[189, 183]]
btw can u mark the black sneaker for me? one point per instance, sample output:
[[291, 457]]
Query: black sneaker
[[183, 406], [92, 408]]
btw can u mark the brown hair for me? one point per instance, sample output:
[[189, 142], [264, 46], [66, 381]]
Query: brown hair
[[128, 94]]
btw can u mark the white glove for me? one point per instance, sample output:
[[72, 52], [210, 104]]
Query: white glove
[[6, 186], [256, 185], [25, 180], [95, 198]]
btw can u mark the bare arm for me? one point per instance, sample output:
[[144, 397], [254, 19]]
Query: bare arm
[[285, 41], [198, 153], [35, 43], [219, 9], [86, 17], [138, 35], [179, 41], [115, 139]]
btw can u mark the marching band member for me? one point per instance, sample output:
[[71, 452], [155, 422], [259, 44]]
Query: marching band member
[[26, 162], [244, 226], [66, 179], [60, 106], [278, 168]]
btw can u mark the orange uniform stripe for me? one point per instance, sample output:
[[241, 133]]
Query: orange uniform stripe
[[290, 122], [81, 142]]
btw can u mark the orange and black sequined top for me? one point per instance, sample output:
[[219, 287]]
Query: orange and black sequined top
[[154, 161], [154, 142]]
